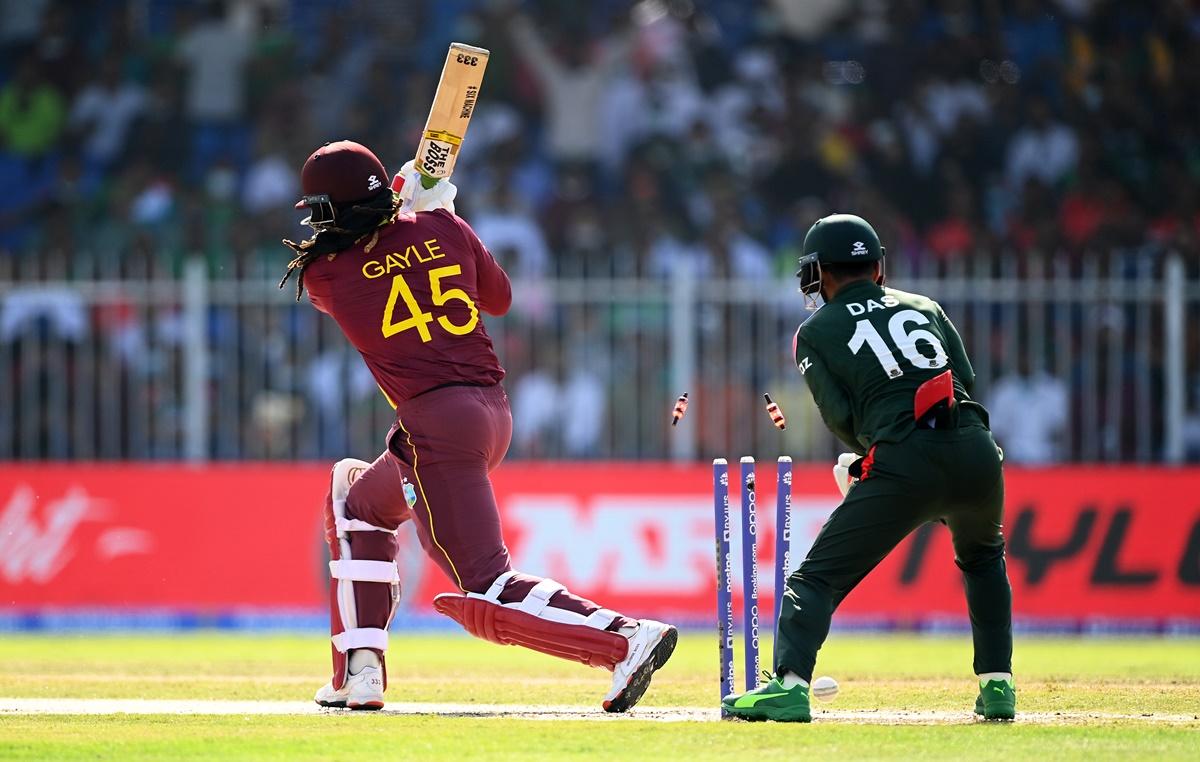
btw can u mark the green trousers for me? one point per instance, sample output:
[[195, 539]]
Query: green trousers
[[952, 475]]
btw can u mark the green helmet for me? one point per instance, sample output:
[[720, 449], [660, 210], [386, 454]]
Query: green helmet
[[836, 239]]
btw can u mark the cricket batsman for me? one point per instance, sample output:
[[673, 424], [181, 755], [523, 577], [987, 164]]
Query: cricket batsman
[[407, 281], [891, 378]]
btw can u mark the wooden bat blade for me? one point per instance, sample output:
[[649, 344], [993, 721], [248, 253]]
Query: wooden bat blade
[[452, 109]]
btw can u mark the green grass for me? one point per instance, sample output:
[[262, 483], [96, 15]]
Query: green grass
[[1130, 677], [383, 737]]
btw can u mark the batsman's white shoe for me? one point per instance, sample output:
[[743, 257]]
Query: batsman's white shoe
[[361, 691], [649, 648]]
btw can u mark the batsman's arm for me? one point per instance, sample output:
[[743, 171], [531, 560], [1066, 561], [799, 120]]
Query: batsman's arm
[[827, 392], [959, 362], [317, 287], [495, 289]]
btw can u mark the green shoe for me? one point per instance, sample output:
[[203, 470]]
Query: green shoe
[[770, 701], [997, 700]]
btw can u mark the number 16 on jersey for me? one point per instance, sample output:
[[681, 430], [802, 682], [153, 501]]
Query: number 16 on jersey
[[865, 333]]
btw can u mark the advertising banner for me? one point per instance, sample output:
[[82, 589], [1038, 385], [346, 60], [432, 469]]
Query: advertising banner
[[236, 545]]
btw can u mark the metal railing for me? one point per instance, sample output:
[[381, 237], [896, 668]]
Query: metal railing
[[144, 359]]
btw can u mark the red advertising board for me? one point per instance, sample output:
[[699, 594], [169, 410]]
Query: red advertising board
[[1084, 544]]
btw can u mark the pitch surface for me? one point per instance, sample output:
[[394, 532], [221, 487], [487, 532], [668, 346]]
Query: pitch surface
[[203, 696]]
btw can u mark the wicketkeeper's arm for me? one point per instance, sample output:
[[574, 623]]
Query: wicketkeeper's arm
[[827, 392], [960, 364]]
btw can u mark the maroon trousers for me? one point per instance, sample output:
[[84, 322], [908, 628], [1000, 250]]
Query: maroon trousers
[[444, 444]]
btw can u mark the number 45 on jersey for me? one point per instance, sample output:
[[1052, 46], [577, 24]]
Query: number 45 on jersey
[[419, 318]]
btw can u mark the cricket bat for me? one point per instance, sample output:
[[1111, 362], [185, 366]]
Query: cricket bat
[[450, 114]]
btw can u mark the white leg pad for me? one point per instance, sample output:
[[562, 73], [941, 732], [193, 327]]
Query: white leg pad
[[493, 592], [348, 570], [562, 616], [355, 525], [601, 618], [364, 571], [538, 597], [537, 603], [345, 472], [362, 637]]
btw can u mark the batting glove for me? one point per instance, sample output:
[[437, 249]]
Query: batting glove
[[415, 197]]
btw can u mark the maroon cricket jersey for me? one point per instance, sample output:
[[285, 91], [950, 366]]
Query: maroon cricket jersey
[[411, 302]]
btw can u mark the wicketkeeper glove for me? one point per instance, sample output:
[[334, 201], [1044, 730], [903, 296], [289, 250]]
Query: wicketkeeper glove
[[841, 472], [415, 197]]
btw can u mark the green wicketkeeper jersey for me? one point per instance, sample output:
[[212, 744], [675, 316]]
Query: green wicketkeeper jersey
[[865, 353]]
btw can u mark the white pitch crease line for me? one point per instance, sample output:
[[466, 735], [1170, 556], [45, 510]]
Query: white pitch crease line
[[46, 706], [208, 707]]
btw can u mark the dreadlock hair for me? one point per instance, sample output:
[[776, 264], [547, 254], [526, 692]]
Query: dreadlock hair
[[350, 223]]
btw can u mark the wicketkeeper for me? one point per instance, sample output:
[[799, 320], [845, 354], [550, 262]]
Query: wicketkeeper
[[406, 280], [891, 378]]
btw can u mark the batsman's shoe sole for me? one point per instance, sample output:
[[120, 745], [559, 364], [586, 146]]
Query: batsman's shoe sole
[[770, 701], [366, 706], [626, 698], [773, 713]]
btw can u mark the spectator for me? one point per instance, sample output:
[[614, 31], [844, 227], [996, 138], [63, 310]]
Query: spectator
[[102, 114], [504, 223], [721, 129], [59, 58], [735, 253], [163, 127], [558, 411], [1033, 36], [215, 54], [1028, 227], [57, 313], [536, 407], [754, 88], [955, 235], [1044, 149], [583, 410], [669, 255], [334, 381], [572, 89], [32, 113], [1083, 210], [1029, 411], [948, 101], [340, 70], [154, 203], [271, 182], [920, 133]]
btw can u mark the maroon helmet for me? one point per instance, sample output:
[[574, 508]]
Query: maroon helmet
[[337, 174]]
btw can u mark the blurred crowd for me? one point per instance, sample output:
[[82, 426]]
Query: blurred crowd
[[714, 131], [613, 138]]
